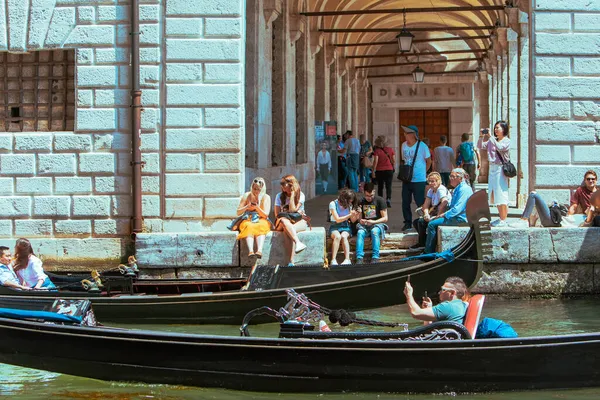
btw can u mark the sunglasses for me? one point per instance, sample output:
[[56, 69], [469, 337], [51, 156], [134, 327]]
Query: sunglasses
[[258, 182], [443, 289], [590, 179]]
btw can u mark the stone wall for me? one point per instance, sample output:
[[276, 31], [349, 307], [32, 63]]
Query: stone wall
[[567, 82], [77, 184]]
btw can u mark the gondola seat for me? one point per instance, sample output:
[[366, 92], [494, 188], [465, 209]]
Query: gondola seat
[[474, 314]]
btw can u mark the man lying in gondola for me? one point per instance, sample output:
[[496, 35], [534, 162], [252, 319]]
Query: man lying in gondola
[[8, 277], [451, 307], [456, 212]]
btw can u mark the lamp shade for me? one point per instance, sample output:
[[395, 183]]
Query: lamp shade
[[418, 74], [405, 39]]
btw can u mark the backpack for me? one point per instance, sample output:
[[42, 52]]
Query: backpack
[[467, 152], [557, 211]]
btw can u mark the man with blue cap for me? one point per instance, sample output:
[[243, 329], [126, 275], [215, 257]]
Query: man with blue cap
[[415, 153]]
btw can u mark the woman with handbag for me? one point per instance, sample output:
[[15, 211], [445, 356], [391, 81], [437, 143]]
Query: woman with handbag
[[384, 160], [341, 212], [255, 205], [436, 202], [291, 219], [498, 147]]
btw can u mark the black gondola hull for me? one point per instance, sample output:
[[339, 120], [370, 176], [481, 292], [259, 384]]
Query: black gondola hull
[[349, 287], [291, 365]]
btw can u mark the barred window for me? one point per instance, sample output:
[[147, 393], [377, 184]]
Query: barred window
[[37, 91]]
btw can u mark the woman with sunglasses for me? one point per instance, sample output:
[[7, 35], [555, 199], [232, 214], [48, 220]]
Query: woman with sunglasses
[[580, 204], [436, 202], [257, 203], [498, 148], [291, 219]]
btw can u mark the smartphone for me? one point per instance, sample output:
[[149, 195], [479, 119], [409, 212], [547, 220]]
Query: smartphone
[[425, 295]]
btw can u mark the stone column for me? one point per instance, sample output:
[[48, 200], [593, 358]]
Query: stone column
[[278, 92], [342, 84], [296, 25], [301, 87], [360, 106], [321, 85], [527, 165], [512, 106], [330, 70], [482, 120], [259, 67], [504, 68]]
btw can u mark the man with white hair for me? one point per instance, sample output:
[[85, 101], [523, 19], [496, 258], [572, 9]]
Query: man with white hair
[[456, 212]]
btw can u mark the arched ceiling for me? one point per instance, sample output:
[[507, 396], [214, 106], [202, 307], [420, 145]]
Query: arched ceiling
[[394, 21]]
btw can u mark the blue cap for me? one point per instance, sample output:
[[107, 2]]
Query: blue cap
[[411, 129]]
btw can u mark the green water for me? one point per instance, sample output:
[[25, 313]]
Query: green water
[[528, 317]]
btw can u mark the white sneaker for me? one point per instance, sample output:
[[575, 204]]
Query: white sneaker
[[346, 262], [520, 223], [499, 224], [300, 247], [333, 262]]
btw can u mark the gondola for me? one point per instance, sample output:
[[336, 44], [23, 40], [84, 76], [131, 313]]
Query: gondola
[[434, 359], [354, 287]]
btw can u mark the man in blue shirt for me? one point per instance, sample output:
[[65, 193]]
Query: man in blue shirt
[[8, 277], [457, 211], [451, 307]]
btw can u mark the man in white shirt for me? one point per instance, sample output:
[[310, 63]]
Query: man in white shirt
[[416, 188], [8, 277]]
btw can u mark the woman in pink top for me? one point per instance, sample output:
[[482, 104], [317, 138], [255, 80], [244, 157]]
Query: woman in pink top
[[497, 147], [384, 160]]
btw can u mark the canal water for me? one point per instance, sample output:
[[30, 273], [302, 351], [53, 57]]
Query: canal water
[[528, 317]]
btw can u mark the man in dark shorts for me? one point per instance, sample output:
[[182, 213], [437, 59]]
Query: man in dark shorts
[[373, 218]]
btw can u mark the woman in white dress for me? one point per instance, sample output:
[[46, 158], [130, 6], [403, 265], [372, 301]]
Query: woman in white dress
[[498, 147]]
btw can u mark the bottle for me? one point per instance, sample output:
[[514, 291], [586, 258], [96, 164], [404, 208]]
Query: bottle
[[323, 327]]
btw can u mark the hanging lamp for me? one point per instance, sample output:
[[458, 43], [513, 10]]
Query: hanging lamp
[[405, 38]]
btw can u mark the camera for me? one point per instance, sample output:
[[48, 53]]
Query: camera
[[485, 131]]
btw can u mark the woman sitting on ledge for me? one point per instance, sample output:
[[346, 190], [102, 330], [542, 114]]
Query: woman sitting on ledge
[[257, 203], [291, 219], [580, 204], [341, 212], [29, 268]]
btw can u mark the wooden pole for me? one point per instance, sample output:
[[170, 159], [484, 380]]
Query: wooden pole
[[418, 63], [413, 29], [414, 41], [402, 10], [422, 54], [466, 71]]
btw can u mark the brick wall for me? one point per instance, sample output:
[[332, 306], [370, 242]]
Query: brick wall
[[566, 93], [77, 184], [191, 75]]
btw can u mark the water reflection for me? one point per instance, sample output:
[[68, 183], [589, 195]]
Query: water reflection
[[528, 317]]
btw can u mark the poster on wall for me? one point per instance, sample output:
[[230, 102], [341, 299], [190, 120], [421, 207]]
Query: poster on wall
[[326, 159]]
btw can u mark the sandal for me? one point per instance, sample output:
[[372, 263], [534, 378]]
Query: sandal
[[251, 254], [258, 254]]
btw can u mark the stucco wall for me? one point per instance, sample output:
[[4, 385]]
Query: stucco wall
[[77, 184], [566, 93]]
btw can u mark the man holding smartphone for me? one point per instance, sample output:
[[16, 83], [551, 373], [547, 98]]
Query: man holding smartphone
[[450, 308]]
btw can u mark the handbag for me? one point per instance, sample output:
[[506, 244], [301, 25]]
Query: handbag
[[508, 169], [367, 162], [292, 216], [405, 172]]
